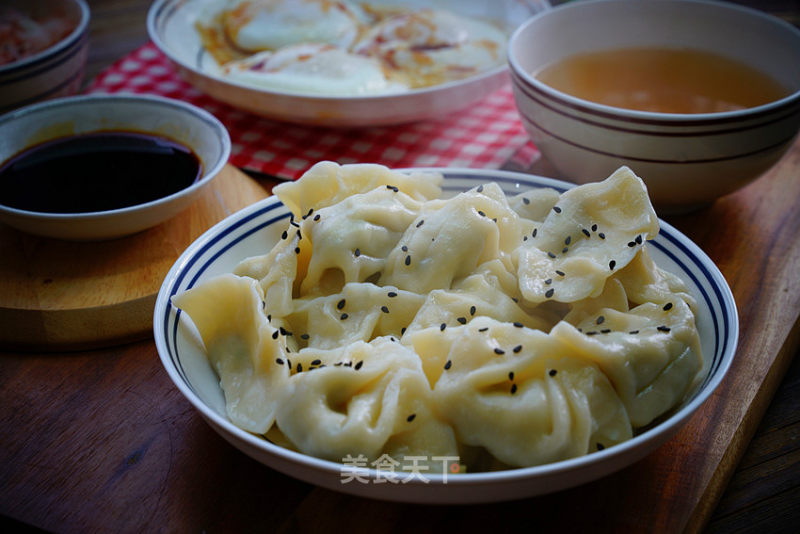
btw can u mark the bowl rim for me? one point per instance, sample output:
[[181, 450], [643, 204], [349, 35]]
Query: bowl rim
[[81, 101], [73, 37], [520, 76], [666, 426], [155, 36]]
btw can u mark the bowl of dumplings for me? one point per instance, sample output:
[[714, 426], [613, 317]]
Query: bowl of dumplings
[[340, 64], [465, 335]]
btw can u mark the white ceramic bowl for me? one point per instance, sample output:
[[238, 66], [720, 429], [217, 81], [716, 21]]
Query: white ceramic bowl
[[686, 160], [171, 25], [193, 127], [54, 72], [254, 230]]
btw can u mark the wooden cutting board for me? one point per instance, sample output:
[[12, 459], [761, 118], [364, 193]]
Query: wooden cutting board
[[62, 295]]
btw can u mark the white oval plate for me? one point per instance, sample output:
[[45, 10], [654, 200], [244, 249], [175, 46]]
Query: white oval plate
[[171, 26], [255, 229]]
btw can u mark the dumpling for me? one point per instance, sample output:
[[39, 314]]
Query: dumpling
[[593, 231], [354, 400], [519, 393]]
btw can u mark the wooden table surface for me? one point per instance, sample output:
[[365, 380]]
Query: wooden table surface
[[102, 441]]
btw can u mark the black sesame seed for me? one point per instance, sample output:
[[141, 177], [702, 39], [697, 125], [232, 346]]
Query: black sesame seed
[[404, 248], [340, 304], [442, 327], [552, 372], [391, 294], [517, 348], [568, 240], [358, 365], [484, 329], [408, 260], [594, 228], [551, 254], [304, 336], [548, 281], [316, 217], [663, 328], [511, 375], [462, 320], [601, 235], [612, 264], [420, 223], [297, 250], [411, 417], [279, 361], [600, 446], [299, 367], [631, 243], [285, 234], [586, 232], [560, 273], [402, 330], [448, 364], [533, 234], [592, 333], [518, 324], [357, 252], [667, 306], [556, 209], [605, 331], [482, 214], [498, 350], [316, 362], [633, 332], [343, 316], [549, 293], [524, 238], [564, 250], [526, 200], [600, 319], [472, 310], [275, 335], [513, 388], [384, 309], [392, 188], [289, 363], [638, 239]]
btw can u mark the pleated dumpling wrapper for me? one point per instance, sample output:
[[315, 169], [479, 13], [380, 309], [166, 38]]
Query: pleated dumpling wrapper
[[389, 322]]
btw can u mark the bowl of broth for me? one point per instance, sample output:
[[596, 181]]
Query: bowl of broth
[[105, 166], [699, 98]]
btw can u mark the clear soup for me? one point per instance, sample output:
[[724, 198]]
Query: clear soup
[[662, 80]]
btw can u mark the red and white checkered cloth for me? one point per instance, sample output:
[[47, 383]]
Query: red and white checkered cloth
[[485, 136]]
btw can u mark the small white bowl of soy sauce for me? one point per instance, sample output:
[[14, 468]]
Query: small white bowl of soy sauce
[[105, 166]]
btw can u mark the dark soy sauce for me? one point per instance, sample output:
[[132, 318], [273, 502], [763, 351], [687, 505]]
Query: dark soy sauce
[[99, 171]]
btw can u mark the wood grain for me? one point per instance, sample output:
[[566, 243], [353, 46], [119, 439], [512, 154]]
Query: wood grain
[[123, 440], [58, 295]]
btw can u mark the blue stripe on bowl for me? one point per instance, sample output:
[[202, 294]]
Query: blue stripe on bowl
[[202, 254]]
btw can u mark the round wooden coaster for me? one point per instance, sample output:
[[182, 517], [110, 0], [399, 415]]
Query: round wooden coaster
[[62, 295]]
